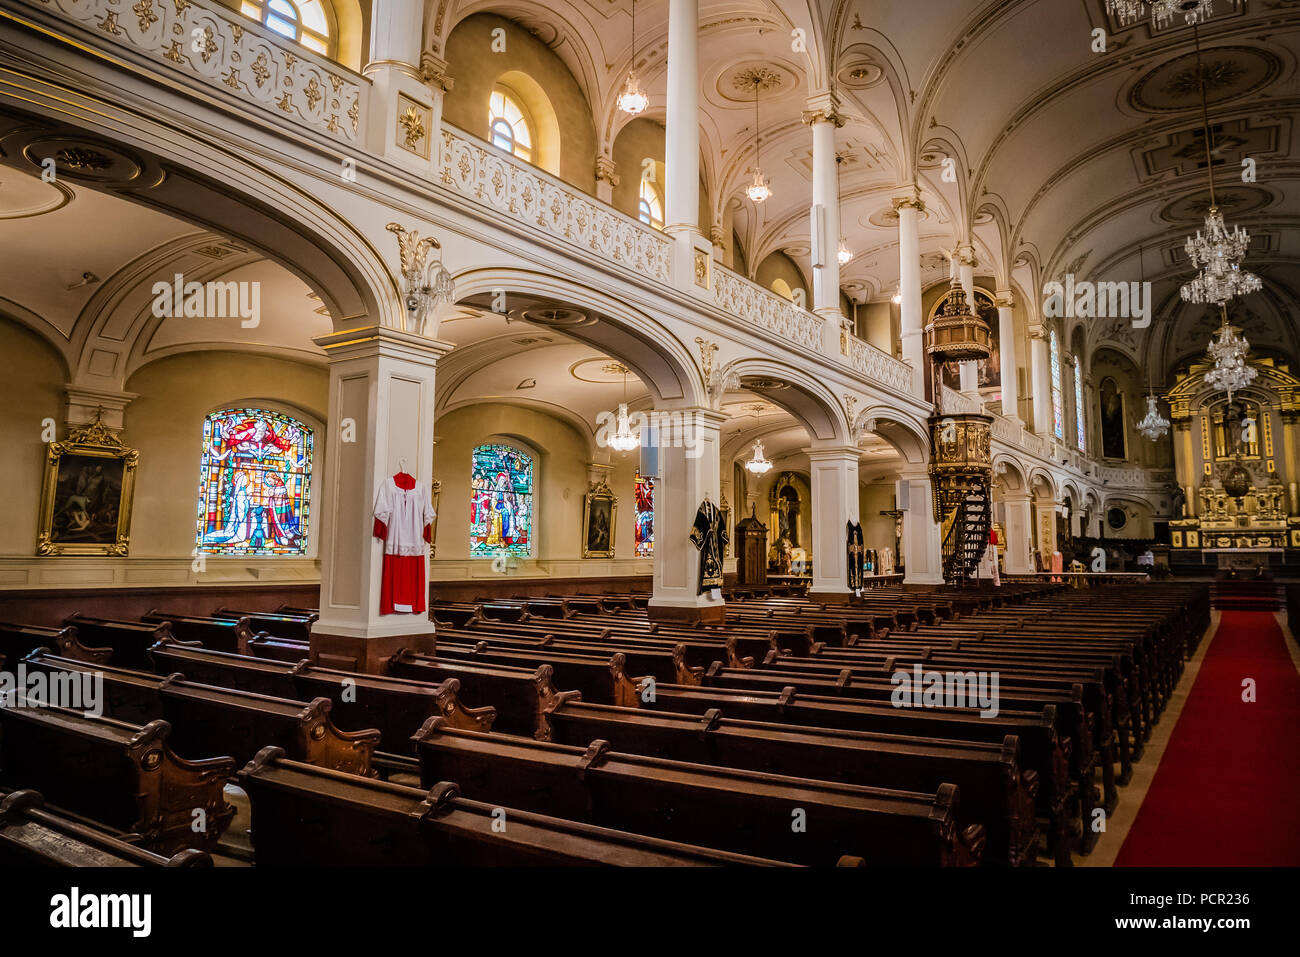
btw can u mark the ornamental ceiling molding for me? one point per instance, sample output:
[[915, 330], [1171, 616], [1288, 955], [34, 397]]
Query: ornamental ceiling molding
[[1120, 60]]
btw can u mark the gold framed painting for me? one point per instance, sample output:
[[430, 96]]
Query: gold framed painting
[[599, 506], [87, 493], [435, 494]]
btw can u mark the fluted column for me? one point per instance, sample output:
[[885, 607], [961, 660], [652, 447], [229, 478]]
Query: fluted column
[[909, 206], [1008, 360]]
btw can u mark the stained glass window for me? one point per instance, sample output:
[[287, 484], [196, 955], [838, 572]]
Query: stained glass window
[[254, 484], [501, 502], [645, 517], [1079, 421], [300, 20], [1058, 415], [508, 125]]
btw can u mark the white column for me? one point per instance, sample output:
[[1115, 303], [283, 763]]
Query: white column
[[1007, 355], [922, 548], [1042, 384], [834, 473], [688, 473], [968, 372], [682, 140], [822, 116], [397, 87], [1019, 531], [909, 207], [381, 404]]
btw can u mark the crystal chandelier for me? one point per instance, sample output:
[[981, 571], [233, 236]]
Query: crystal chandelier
[[1153, 425], [758, 463], [633, 101], [760, 189], [1163, 11], [844, 255], [623, 439], [1216, 253], [1231, 373]]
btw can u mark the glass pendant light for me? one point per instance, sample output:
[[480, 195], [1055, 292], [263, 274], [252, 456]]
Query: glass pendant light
[[1153, 425], [757, 462], [760, 189], [623, 439], [633, 100]]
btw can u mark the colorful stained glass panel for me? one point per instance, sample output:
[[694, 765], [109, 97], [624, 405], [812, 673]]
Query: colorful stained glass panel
[[254, 484], [645, 517], [501, 502]]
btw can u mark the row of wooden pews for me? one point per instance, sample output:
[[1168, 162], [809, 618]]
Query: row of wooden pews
[[611, 738]]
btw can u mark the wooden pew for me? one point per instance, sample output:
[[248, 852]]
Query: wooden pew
[[522, 695], [281, 624], [747, 812], [394, 707], [994, 788], [18, 641], [219, 634], [129, 640], [304, 816], [123, 775], [33, 835]]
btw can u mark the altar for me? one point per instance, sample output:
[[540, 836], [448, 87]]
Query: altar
[[1242, 559]]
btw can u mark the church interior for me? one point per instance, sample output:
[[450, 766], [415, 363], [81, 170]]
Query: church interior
[[474, 433]]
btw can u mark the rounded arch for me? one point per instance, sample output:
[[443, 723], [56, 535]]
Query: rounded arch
[[1040, 478], [639, 341], [201, 182], [908, 436], [539, 114], [808, 400], [1009, 473]]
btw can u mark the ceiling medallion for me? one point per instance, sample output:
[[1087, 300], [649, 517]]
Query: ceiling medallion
[[764, 77], [81, 160]]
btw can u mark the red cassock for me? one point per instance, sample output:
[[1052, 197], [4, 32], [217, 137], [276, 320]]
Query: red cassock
[[403, 515]]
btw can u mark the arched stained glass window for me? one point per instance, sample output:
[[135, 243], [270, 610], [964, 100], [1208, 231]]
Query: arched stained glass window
[[501, 502], [1058, 413], [650, 208], [254, 484], [1079, 420], [508, 125], [303, 21], [645, 517]]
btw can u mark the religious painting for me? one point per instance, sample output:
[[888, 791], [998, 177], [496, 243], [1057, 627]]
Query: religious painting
[[645, 517], [599, 506], [786, 504], [87, 492], [254, 484], [988, 371], [1111, 400], [501, 502]]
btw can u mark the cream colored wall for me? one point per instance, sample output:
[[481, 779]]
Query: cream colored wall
[[877, 529], [562, 455], [638, 141], [780, 266], [474, 69], [31, 378], [166, 424]]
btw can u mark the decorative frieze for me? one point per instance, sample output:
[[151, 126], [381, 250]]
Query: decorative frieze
[[203, 39], [879, 366], [751, 303]]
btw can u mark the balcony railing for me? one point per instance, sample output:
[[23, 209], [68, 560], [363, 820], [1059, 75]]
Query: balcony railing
[[525, 194], [878, 364], [213, 44], [751, 303]]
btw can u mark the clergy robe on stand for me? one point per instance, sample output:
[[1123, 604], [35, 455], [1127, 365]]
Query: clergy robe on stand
[[403, 516], [709, 535]]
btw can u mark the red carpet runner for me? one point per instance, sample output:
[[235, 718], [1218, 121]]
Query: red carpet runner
[[1227, 789]]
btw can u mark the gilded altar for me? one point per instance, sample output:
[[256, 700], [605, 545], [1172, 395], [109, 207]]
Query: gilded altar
[[1237, 461]]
